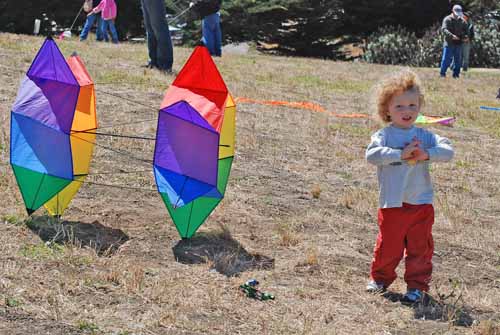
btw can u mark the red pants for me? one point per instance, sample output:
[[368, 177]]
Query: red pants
[[404, 229]]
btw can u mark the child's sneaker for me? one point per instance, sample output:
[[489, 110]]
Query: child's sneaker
[[412, 296], [374, 287]]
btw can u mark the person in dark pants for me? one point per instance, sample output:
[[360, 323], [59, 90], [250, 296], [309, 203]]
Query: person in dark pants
[[158, 35], [455, 31], [467, 42], [208, 10]]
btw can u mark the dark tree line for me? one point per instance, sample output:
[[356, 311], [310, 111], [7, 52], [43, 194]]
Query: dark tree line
[[317, 28]]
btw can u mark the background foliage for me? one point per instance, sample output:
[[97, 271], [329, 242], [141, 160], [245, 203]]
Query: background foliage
[[396, 45], [315, 28]]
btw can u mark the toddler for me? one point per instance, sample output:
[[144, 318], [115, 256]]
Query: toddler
[[402, 154]]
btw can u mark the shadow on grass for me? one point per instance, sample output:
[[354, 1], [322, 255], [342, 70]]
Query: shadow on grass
[[104, 240], [222, 251], [432, 309]]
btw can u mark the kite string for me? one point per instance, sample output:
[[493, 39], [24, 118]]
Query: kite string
[[127, 154], [113, 135], [117, 186], [126, 99]]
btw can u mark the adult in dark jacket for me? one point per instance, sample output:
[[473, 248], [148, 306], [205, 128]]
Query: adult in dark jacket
[[455, 31], [161, 55], [209, 11], [91, 19], [467, 42]]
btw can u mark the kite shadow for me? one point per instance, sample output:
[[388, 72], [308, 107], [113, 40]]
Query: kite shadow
[[226, 255], [104, 240], [437, 310]]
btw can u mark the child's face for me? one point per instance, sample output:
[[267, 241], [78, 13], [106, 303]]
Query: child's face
[[404, 109]]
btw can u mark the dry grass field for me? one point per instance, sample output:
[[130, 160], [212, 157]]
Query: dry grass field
[[300, 193]]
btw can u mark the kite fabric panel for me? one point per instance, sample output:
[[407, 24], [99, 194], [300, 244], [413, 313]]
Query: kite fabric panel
[[53, 122], [195, 143]]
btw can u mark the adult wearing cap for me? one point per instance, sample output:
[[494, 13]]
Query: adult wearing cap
[[209, 11], [160, 50], [455, 31]]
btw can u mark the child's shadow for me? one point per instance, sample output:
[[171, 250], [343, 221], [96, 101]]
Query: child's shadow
[[104, 240], [432, 309]]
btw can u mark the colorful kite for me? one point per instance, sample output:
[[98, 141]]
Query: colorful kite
[[497, 109], [194, 147], [428, 119], [53, 122]]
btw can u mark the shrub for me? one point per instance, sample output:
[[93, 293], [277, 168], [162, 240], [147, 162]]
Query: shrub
[[485, 51], [430, 48], [392, 45]]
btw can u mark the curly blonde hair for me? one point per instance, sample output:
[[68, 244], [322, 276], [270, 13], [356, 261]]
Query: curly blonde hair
[[399, 83]]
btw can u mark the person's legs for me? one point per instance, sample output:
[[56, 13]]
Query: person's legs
[[86, 28], [159, 26], [98, 30], [208, 32], [112, 29], [104, 29], [457, 59], [419, 248], [150, 36], [390, 245], [465, 56], [218, 37], [445, 60]]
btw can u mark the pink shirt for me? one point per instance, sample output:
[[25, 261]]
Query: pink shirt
[[108, 8]]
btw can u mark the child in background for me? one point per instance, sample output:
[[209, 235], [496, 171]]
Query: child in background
[[91, 18], [402, 154], [108, 15]]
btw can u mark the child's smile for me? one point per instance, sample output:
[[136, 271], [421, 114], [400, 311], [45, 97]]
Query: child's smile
[[404, 109]]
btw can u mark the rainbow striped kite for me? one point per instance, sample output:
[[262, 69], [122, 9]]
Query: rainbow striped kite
[[52, 134], [195, 140]]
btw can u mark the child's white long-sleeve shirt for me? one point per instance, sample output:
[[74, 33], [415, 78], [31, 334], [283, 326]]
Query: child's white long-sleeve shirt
[[399, 181]]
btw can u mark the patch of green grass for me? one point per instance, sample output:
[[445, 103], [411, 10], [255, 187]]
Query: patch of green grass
[[355, 130], [87, 326], [42, 251], [461, 164], [337, 85], [12, 302], [119, 76], [12, 219]]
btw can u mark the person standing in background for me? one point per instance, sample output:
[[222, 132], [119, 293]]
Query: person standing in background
[[91, 19], [108, 15], [158, 35], [454, 29], [467, 42], [209, 11]]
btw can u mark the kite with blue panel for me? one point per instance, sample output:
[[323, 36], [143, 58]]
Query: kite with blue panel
[[53, 123], [195, 140]]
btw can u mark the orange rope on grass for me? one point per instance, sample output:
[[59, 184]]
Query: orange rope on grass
[[301, 105]]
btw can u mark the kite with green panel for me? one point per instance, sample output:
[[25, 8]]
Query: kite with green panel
[[53, 122], [195, 142]]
